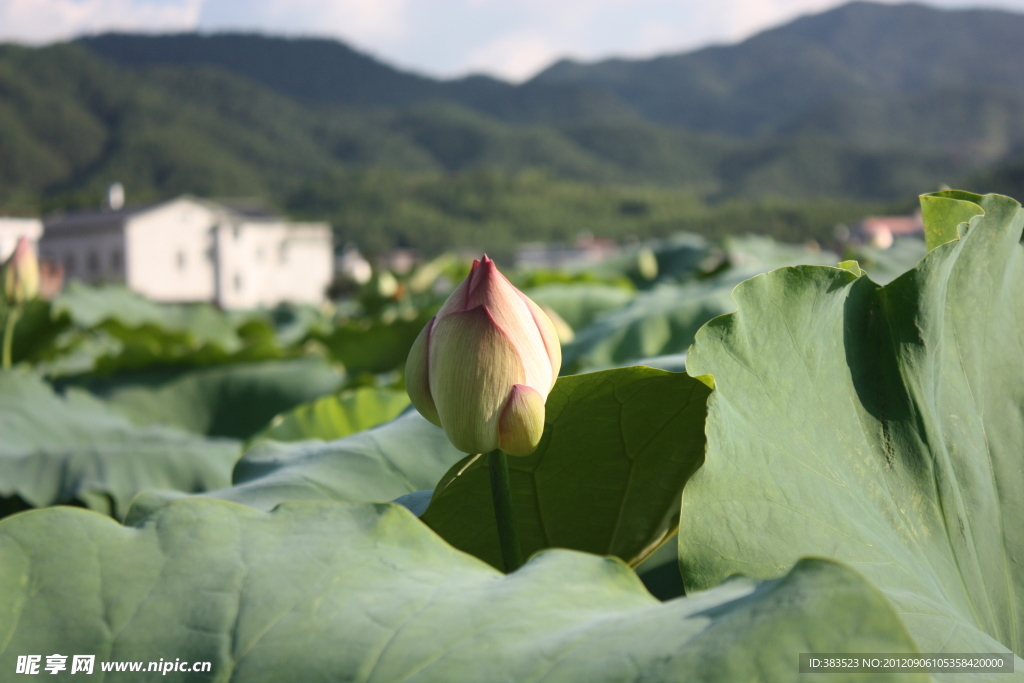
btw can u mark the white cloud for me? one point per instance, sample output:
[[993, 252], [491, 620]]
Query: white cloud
[[40, 21], [361, 21], [747, 17], [509, 38], [515, 56]]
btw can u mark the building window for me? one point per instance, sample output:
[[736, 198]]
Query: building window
[[238, 282], [182, 259], [93, 263], [282, 253], [115, 260]]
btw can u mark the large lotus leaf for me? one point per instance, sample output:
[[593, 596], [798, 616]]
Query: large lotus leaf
[[657, 322], [231, 400], [754, 254], [336, 416], [138, 333], [944, 212], [93, 306], [618, 446], [74, 449], [580, 304], [881, 426], [36, 331], [374, 346], [294, 322], [319, 591], [403, 456], [680, 256], [665, 319], [885, 265], [660, 572]]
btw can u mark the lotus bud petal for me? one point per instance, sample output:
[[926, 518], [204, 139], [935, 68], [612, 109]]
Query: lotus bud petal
[[522, 422], [416, 376], [21, 273], [484, 365]]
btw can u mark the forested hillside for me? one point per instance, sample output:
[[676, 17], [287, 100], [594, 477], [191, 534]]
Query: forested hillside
[[836, 113]]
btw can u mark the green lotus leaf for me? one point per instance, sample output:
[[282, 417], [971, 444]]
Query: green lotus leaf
[[318, 591], [234, 400], [36, 332], [664, 320], [656, 322], [93, 306], [618, 446], [579, 304], [403, 456], [74, 449], [944, 212], [374, 346], [336, 416], [880, 426], [885, 265]]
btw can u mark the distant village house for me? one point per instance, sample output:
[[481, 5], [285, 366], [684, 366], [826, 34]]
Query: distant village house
[[190, 249], [881, 231]]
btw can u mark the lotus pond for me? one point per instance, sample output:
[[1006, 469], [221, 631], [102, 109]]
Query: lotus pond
[[754, 451]]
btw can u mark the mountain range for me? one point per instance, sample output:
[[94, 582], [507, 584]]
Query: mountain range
[[866, 102]]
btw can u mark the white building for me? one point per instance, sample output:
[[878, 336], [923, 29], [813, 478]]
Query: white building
[[189, 249], [13, 228]]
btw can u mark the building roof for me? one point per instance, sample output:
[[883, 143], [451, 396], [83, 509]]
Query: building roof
[[96, 220], [102, 220]]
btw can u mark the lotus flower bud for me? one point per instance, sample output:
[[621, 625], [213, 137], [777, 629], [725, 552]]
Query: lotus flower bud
[[21, 273], [483, 366]]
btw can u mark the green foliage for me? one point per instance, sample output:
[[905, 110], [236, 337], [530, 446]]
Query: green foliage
[[374, 345], [336, 416], [110, 329], [580, 304], [366, 592], [400, 457], [664, 320], [863, 471], [473, 163], [37, 332], [895, 76], [496, 211], [618, 446], [885, 265], [75, 450], [944, 212], [880, 426], [235, 400]]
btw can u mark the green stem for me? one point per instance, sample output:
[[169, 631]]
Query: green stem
[[12, 318], [501, 490]]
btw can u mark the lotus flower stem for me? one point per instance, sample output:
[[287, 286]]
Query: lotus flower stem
[[501, 490], [12, 318]]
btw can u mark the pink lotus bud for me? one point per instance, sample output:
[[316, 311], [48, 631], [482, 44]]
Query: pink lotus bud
[[483, 366], [21, 273]]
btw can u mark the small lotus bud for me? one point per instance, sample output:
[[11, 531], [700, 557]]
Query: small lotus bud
[[483, 366], [21, 273]]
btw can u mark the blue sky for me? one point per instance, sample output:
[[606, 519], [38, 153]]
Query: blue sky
[[512, 39]]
